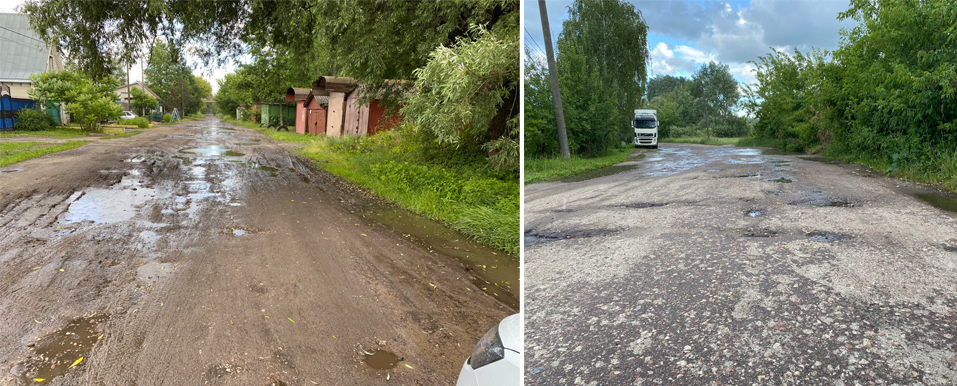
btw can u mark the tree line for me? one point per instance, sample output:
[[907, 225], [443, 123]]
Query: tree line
[[453, 65], [886, 96], [601, 64]]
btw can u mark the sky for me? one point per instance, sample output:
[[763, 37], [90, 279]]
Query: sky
[[211, 73], [683, 35]]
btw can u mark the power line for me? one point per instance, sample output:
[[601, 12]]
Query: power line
[[26, 36], [533, 41], [21, 44]]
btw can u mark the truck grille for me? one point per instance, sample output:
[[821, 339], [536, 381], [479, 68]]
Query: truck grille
[[646, 135]]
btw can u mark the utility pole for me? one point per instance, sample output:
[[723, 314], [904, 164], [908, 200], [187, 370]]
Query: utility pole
[[553, 77], [129, 96]]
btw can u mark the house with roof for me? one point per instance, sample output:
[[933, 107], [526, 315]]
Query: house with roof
[[124, 97], [22, 54]]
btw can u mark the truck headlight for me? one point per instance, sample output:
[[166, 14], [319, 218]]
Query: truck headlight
[[488, 350]]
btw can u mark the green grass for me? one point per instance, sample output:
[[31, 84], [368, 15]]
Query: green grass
[[13, 152], [554, 168], [457, 190], [57, 132], [706, 141]]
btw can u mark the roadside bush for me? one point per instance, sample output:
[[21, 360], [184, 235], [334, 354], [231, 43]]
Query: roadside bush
[[167, 117], [138, 122], [33, 120]]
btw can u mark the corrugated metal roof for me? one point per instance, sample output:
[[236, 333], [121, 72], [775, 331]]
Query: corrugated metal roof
[[22, 53], [297, 93]]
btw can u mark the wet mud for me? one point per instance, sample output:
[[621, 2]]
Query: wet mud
[[217, 252]]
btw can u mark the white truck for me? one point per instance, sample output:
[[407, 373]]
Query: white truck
[[646, 128]]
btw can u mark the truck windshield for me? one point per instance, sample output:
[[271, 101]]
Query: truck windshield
[[644, 124]]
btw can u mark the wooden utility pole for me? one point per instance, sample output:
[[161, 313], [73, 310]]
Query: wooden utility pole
[[553, 77], [129, 96]]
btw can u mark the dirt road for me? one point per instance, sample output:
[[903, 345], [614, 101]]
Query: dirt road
[[208, 254], [724, 266]]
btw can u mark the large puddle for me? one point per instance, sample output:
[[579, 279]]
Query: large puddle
[[213, 151], [939, 201], [62, 351], [495, 272], [117, 203]]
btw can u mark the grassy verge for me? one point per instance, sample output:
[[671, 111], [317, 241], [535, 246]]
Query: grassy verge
[[59, 132], [549, 169], [706, 141], [13, 152], [458, 190]]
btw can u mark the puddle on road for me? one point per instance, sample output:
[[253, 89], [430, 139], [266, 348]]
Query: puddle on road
[[213, 151], [53, 355], [821, 159], [119, 202], [535, 237], [152, 272], [783, 180], [605, 171], [827, 237], [254, 165], [495, 272], [939, 201], [754, 213], [381, 360]]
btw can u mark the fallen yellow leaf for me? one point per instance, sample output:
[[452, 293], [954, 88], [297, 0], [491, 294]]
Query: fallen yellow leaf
[[77, 362], [39, 379]]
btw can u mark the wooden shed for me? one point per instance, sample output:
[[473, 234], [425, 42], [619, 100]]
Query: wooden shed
[[298, 95], [316, 109], [347, 114], [338, 89]]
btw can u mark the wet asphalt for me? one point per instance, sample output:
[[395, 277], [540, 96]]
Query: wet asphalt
[[702, 265]]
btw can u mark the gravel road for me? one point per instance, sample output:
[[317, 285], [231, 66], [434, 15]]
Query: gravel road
[[204, 253], [703, 265]]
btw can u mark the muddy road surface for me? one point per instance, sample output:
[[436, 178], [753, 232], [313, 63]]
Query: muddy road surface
[[705, 265], [208, 254]]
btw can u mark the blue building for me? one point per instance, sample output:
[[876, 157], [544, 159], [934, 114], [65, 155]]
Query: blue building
[[22, 54]]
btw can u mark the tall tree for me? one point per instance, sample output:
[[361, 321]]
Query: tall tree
[[716, 90], [613, 37]]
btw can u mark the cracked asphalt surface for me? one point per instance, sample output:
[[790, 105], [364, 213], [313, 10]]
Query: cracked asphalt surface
[[706, 265], [207, 254]]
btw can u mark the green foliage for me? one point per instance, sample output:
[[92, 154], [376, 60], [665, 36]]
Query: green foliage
[[53, 88], [470, 196], [172, 80], [33, 120], [540, 130], [167, 117], [139, 122], [92, 103], [467, 95], [602, 54], [142, 101], [553, 168], [611, 36], [716, 92]]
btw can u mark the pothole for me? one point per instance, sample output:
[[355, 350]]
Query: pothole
[[213, 151], [827, 203], [759, 232], [535, 237], [639, 205], [783, 180], [61, 351], [827, 237], [381, 359], [153, 272], [754, 212]]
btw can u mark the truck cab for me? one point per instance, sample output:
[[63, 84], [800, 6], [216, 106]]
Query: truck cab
[[646, 128]]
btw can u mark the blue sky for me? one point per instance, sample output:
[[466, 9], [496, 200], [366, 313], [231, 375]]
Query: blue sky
[[683, 35]]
